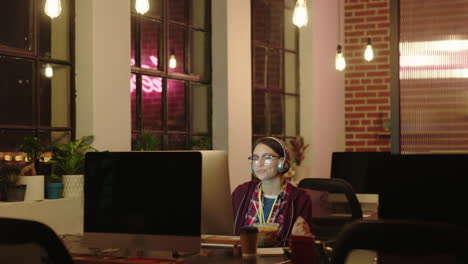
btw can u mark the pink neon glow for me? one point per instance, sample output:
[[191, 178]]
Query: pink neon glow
[[148, 83]]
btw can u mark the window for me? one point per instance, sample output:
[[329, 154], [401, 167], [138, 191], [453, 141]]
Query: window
[[170, 84], [36, 80], [275, 75]]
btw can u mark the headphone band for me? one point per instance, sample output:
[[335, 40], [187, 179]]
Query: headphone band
[[283, 165], [285, 150]]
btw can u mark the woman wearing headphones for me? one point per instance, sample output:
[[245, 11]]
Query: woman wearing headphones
[[269, 198]]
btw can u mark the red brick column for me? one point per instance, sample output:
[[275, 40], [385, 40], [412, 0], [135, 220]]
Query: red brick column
[[367, 84]]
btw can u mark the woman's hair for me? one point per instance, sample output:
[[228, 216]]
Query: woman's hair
[[272, 143]]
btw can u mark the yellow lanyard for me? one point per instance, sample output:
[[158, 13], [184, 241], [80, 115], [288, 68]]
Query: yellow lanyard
[[260, 207]]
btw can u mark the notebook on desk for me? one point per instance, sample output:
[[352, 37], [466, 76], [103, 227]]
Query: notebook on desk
[[219, 241], [275, 251]]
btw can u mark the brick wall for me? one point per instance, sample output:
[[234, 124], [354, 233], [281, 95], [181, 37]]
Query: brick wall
[[367, 84]]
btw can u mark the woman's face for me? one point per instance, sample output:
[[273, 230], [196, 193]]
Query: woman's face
[[262, 156]]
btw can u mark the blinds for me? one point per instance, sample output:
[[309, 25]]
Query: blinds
[[433, 76]]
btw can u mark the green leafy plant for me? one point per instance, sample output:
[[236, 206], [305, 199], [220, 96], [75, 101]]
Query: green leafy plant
[[146, 141], [54, 178], [9, 175], [201, 143], [33, 148], [70, 157], [298, 148]]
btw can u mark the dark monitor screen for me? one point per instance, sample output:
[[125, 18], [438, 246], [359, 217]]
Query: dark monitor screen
[[157, 194], [363, 170], [428, 187]]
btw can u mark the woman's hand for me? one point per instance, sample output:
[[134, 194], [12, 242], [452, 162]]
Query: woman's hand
[[301, 228]]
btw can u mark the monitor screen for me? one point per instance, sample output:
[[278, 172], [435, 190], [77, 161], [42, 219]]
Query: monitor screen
[[363, 170], [143, 200]]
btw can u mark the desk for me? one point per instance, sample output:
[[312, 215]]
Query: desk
[[208, 255], [64, 216]]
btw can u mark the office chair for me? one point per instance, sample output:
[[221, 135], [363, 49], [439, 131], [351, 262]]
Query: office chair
[[25, 241], [404, 241], [328, 216]]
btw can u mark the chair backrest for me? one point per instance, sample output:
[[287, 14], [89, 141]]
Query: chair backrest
[[326, 225], [335, 186], [400, 239], [30, 238]]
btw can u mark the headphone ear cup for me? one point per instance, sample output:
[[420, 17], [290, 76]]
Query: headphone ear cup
[[286, 166], [280, 166]]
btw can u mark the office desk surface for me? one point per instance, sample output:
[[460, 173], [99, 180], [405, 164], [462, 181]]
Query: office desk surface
[[207, 255]]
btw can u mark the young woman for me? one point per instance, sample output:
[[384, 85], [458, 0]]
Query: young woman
[[269, 198]]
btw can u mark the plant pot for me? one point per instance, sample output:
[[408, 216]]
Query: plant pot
[[54, 189], [15, 193], [73, 186], [35, 189]]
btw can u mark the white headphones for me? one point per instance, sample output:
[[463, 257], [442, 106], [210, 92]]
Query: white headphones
[[283, 164]]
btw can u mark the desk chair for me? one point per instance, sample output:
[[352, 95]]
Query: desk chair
[[404, 241], [24, 241], [328, 216]]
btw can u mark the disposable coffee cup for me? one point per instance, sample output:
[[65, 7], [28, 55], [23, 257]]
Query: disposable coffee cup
[[267, 234], [248, 241]]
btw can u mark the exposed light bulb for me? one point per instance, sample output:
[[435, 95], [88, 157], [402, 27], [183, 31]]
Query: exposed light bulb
[[172, 61], [142, 6], [49, 71], [340, 62], [53, 8], [300, 16], [7, 157], [369, 53]]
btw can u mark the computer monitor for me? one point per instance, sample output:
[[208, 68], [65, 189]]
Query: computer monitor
[[216, 194], [363, 170], [143, 201], [182, 195]]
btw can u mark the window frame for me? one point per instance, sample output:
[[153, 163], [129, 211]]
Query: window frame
[[163, 72], [34, 55], [268, 48]]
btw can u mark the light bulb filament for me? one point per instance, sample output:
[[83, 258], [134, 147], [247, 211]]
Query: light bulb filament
[[53, 8], [49, 71], [340, 62], [300, 17], [172, 62], [369, 52], [142, 6]]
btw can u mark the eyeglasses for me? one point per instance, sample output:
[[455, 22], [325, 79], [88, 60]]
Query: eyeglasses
[[267, 159]]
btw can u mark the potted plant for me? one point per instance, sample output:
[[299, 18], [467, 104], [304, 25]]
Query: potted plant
[[33, 148], [146, 141], [9, 179], [69, 158], [201, 143], [54, 186], [298, 149]]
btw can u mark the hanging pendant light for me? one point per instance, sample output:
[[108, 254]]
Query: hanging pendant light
[[369, 53], [340, 62], [53, 8], [49, 71], [300, 17], [142, 6], [172, 61]]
